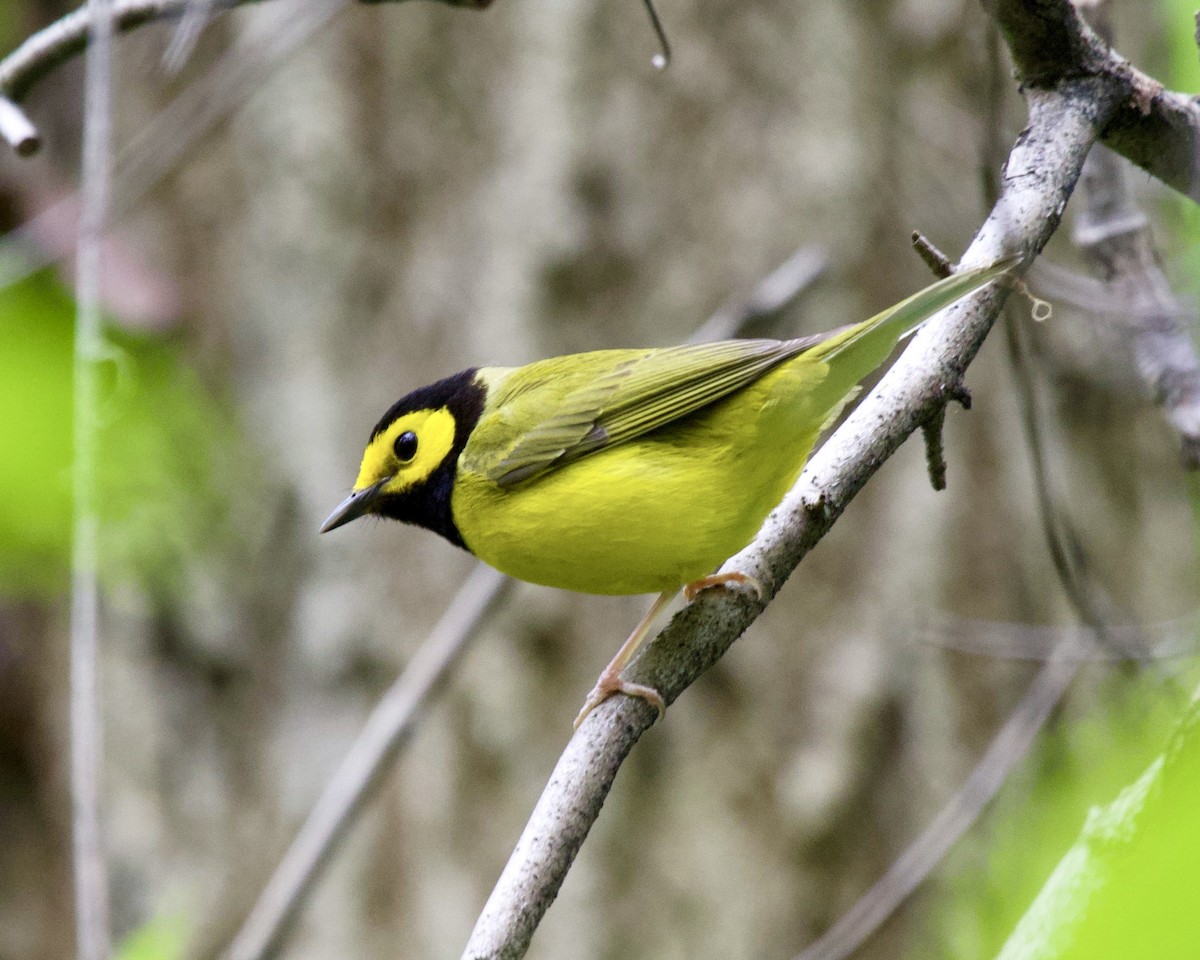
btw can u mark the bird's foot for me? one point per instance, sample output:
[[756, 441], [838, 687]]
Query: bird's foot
[[694, 589], [610, 682]]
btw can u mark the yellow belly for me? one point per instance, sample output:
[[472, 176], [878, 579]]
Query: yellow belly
[[657, 512]]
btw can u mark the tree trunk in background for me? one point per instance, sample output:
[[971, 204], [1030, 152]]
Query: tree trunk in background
[[419, 190]]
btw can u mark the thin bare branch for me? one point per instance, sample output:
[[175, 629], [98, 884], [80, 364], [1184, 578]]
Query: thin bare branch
[[386, 730], [90, 868], [1042, 170], [17, 130], [1166, 640], [1116, 237], [197, 14], [164, 141], [68, 36], [770, 297]]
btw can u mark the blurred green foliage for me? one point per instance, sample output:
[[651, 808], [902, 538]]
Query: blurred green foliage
[[162, 938], [1128, 886], [988, 884], [169, 452], [1125, 884], [1182, 72], [35, 434]]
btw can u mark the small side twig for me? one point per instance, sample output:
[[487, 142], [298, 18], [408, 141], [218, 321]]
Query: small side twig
[[932, 430], [937, 261]]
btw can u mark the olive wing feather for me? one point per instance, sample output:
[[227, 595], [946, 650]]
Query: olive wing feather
[[635, 393]]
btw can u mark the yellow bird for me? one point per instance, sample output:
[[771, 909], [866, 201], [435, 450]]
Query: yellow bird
[[623, 471]]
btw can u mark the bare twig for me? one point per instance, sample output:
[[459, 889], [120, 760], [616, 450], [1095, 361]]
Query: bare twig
[[662, 59], [386, 730], [68, 36], [90, 869], [934, 259], [935, 449], [770, 297], [1166, 640], [1063, 125], [175, 130], [17, 130], [196, 16], [1089, 599], [1116, 237], [932, 429]]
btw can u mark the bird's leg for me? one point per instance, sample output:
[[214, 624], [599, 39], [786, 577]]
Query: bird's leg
[[610, 682], [696, 587]]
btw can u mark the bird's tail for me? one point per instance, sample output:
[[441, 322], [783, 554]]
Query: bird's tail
[[856, 350]]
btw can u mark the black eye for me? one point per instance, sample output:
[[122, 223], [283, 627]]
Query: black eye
[[405, 446]]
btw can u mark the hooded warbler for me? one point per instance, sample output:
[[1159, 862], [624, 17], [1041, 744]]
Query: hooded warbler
[[624, 471]]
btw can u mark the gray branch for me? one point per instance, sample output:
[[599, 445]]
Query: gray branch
[[90, 869], [1157, 129], [910, 869], [1117, 240], [1042, 170]]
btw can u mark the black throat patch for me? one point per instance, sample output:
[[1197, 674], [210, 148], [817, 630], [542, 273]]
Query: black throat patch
[[428, 503]]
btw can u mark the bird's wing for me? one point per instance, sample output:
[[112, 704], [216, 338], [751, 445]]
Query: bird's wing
[[621, 395], [596, 400]]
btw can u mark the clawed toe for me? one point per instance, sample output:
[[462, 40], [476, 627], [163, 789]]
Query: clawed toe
[[693, 590], [608, 685]]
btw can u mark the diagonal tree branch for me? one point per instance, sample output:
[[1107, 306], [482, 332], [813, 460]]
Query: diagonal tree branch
[[1042, 170], [385, 732]]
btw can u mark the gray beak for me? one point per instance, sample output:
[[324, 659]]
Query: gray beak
[[354, 506]]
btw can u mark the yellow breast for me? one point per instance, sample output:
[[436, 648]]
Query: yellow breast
[[657, 512]]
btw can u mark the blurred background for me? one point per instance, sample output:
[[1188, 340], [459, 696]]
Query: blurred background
[[316, 214]]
